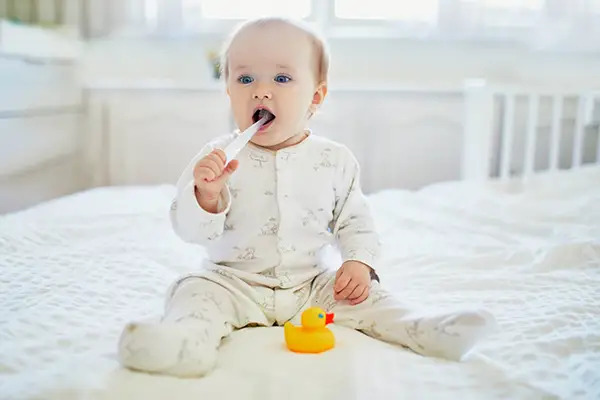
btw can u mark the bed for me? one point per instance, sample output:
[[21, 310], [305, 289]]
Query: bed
[[527, 247]]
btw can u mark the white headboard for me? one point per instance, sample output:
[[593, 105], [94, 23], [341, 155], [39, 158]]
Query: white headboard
[[511, 131]]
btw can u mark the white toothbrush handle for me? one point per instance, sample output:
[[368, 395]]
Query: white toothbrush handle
[[231, 151]]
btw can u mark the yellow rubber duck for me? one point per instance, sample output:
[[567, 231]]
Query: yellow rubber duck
[[312, 336]]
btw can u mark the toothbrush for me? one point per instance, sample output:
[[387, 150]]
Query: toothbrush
[[231, 151]]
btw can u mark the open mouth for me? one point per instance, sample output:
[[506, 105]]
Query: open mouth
[[263, 113]]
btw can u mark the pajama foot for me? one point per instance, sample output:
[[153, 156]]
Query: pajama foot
[[176, 349], [451, 336]]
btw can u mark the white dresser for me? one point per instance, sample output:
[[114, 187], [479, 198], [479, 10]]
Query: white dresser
[[40, 132]]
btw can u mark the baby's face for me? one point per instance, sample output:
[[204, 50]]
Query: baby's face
[[272, 67]]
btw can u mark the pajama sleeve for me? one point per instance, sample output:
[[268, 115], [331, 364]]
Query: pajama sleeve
[[353, 224], [190, 221]]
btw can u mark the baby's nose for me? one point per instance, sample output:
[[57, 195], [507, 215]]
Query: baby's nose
[[263, 92]]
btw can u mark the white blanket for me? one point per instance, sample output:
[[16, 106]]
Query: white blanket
[[74, 270]]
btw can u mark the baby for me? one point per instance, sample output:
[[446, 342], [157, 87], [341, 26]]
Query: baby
[[267, 217]]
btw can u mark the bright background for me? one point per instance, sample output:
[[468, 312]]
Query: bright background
[[130, 82]]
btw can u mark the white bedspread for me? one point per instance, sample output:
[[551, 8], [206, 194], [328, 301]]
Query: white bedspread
[[73, 271]]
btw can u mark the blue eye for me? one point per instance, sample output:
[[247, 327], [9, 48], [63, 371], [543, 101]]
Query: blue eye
[[245, 79], [321, 316], [282, 79]]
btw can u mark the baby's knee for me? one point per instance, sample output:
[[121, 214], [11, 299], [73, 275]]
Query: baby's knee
[[185, 284], [194, 288]]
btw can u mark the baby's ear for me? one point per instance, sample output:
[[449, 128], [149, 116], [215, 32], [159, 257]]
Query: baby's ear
[[320, 94]]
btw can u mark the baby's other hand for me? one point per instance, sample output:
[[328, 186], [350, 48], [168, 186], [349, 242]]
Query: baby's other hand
[[352, 282]]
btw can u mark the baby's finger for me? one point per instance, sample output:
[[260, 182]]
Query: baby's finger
[[221, 154], [357, 292], [361, 298], [341, 281], [343, 295], [231, 167], [211, 164], [218, 160], [204, 173]]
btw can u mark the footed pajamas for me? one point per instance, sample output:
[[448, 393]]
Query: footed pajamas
[[278, 216]]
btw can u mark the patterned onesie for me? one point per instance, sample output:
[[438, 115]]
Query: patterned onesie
[[278, 215]]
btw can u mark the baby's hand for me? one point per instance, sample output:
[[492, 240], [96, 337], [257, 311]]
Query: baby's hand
[[210, 176], [352, 282]]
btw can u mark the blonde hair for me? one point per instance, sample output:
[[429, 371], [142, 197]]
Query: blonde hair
[[319, 45]]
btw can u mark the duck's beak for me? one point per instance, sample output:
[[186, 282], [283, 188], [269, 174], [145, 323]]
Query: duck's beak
[[329, 318]]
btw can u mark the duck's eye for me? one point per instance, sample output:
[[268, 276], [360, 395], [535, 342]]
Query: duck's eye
[[321, 316]]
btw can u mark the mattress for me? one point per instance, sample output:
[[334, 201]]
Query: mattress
[[74, 270]]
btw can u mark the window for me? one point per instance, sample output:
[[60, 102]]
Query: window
[[399, 10], [236, 9], [509, 13], [541, 23], [150, 12], [512, 4]]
